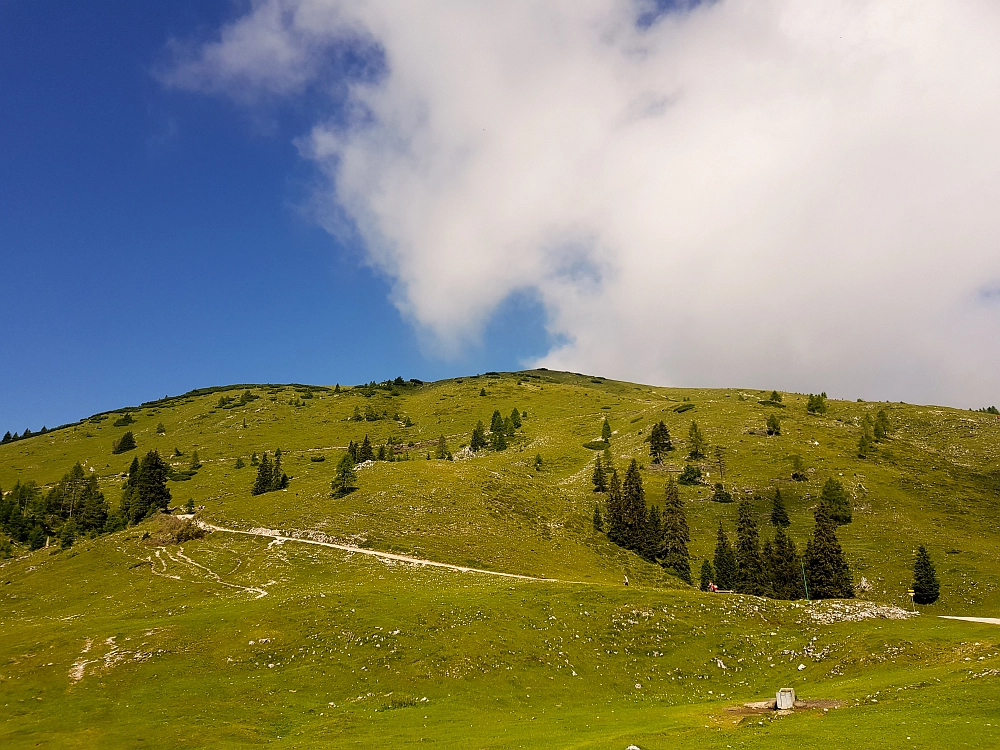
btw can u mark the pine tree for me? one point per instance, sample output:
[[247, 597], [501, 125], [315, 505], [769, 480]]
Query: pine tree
[[496, 422], [151, 486], [240, 463], [616, 511], [881, 426], [775, 397], [779, 516], [707, 575], [865, 442], [724, 562], [482, 391], [7, 437], [515, 418], [926, 588], [538, 462], [264, 476], [816, 403], [606, 430], [352, 449], [659, 442], [838, 505], [773, 424], [366, 452], [508, 427], [441, 451], [608, 459], [827, 573], [674, 554], [345, 478], [498, 440], [478, 441], [634, 497], [599, 478], [195, 463], [784, 566], [67, 535], [697, 442], [125, 443], [279, 480], [752, 576]]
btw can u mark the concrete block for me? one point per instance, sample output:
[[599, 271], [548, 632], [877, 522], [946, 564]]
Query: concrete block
[[785, 699]]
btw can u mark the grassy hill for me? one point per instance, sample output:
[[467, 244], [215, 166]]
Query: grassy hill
[[131, 640]]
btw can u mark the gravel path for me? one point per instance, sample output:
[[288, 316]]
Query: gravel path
[[987, 620]]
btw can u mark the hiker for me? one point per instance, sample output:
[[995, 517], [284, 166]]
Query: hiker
[[712, 587], [626, 581]]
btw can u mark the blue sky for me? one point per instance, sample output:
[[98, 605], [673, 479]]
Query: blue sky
[[156, 240], [771, 195]]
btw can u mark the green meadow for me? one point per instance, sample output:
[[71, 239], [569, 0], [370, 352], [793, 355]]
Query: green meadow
[[134, 640]]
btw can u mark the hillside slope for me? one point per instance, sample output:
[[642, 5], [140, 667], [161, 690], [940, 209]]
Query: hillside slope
[[127, 640]]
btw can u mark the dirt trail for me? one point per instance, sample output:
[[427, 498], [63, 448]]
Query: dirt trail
[[279, 538], [987, 620]]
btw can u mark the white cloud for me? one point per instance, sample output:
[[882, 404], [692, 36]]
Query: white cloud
[[777, 193]]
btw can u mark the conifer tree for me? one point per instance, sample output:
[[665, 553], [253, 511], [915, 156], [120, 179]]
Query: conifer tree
[[752, 576], [616, 511], [865, 442], [538, 462], [125, 443], [496, 422], [498, 439], [606, 457], [515, 418], [635, 508], [724, 562], [659, 442], [827, 573], [264, 476], [508, 427], [599, 478], [240, 462], [784, 566], [674, 554], [150, 486], [838, 505], [352, 450], [926, 588], [195, 463], [773, 424], [606, 430], [881, 429], [279, 480], [598, 521], [345, 478], [816, 403], [697, 441], [478, 441], [775, 397], [779, 516], [366, 452], [7, 437], [441, 451], [482, 391], [707, 575]]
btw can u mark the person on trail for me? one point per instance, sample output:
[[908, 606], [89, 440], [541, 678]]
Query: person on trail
[[712, 587], [626, 581]]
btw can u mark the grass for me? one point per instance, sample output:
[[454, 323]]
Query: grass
[[357, 644]]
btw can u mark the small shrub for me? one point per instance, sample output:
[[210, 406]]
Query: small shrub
[[317, 459], [773, 424], [125, 443], [160, 429], [690, 475], [683, 408], [721, 495], [125, 420]]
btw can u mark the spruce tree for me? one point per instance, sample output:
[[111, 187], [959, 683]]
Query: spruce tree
[[752, 576], [838, 505], [515, 418], [926, 588], [674, 554], [7, 437], [606, 457], [779, 516], [345, 478], [724, 562], [784, 566], [195, 463], [441, 451], [240, 463], [881, 426], [707, 575], [606, 430], [634, 497], [366, 452], [263, 481], [866, 442], [125, 443], [151, 486], [352, 450], [827, 573], [773, 424], [478, 441], [599, 478], [659, 442], [598, 521], [279, 480], [616, 511], [697, 441], [496, 422], [498, 439]]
